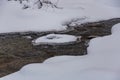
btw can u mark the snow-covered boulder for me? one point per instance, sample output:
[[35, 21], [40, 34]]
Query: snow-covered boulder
[[55, 39], [60, 44]]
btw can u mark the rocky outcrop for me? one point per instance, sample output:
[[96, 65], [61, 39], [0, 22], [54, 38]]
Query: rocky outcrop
[[17, 50]]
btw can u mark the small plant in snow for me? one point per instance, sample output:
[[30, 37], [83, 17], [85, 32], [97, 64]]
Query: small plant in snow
[[75, 22], [38, 3]]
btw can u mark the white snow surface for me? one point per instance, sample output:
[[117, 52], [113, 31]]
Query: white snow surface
[[101, 63], [15, 19], [55, 39]]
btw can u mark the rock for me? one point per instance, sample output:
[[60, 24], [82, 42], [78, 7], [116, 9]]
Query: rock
[[74, 48], [100, 28], [17, 50]]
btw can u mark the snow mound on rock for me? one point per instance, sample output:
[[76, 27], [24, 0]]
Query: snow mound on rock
[[55, 39]]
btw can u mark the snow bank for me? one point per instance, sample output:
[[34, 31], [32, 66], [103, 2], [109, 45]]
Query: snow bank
[[113, 3], [14, 19], [54, 39], [101, 63]]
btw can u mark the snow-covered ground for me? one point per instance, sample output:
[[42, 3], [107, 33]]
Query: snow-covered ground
[[15, 19], [101, 63]]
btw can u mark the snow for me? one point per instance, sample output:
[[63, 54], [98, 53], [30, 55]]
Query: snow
[[101, 63], [15, 19], [113, 3], [55, 39]]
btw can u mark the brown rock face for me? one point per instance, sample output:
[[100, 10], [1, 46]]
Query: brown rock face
[[17, 50]]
